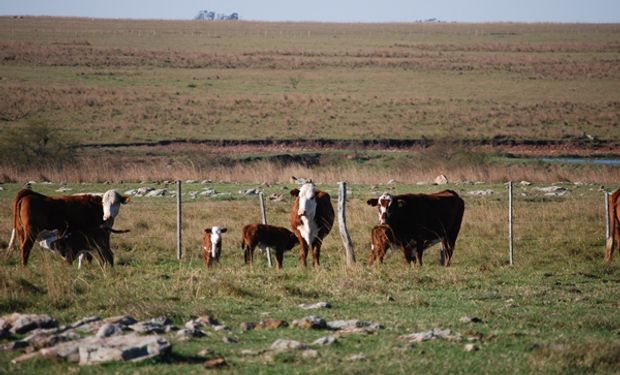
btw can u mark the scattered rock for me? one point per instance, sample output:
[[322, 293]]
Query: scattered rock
[[284, 344], [5, 328], [85, 321], [318, 305], [147, 327], [276, 197], [63, 189], [555, 191], [433, 334], [247, 326], [187, 334], [481, 193], [216, 363], [250, 352], [123, 348], [325, 341], [525, 183], [157, 193], [358, 357], [470, 319], [23, 323], [109, 329], [230, 340], [124, 320], [471, 347], [271, 324], [440, 180], [253, 191], [353, 323], [310, 322], [310, 354]]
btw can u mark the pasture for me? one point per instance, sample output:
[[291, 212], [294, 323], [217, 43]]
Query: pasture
[[97, 104], [553, 312]]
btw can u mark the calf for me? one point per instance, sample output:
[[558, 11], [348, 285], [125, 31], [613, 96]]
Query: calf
[[212, 244], [278, 238], [381, 237]]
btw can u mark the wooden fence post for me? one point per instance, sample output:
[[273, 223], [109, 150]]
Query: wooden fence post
[[263, 214], [179, 222], [342, 225], [510, 248]]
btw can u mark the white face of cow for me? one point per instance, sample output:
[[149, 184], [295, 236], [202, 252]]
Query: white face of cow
[[384, 202], [307, 201], [111, 201], [216, 240]]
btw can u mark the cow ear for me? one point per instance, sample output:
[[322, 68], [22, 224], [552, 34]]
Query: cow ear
[[207, 230], [372, 202], [224, 230], [125, 199], [295, 192]]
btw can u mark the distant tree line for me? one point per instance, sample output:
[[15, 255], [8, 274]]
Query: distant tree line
[[208, 15]]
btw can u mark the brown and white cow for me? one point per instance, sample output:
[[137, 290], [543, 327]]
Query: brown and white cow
[[34, 213], [212, 244], [312, 218], [278, 238], [614, 226], [421, 220]]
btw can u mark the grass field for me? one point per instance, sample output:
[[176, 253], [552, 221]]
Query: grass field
[[553, 312], [135, 103]]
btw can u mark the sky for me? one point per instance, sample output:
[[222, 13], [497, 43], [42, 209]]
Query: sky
[[583, 11]]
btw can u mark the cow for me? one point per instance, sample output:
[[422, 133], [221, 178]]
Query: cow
[[79, 244], [421, 220], [614, 226], [381, 238], [34, 213], [212, 245], [312, 217], [278, 238]]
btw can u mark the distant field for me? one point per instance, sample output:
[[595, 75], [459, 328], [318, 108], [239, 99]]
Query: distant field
[[126, 82]]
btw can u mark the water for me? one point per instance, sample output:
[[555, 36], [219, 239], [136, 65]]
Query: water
[[612, 162]]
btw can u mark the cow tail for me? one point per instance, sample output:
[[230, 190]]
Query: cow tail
[[16, 220], [9, 249], [613, 225]]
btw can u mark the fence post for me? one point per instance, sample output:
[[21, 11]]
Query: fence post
[[607, 223], [510, 249], [263, 214], [179, 222], [342, 225]]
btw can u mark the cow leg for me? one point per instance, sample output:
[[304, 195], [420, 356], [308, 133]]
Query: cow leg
[[408, 253], [316, 254], [303, 253], [26, 246], [419, 249], [279, 258], [612, 241]]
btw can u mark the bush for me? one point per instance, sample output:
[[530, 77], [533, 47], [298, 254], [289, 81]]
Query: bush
[[34, 145]]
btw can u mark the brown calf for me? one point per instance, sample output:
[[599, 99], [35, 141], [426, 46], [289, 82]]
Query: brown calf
[[381, 237], [212, 245], [278, 238]]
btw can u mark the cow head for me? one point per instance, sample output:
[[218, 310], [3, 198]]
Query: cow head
[[307, 200], [112, 201], [216, 238], [383, 203]]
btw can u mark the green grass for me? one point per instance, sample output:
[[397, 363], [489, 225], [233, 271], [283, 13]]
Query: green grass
[[553, 312]]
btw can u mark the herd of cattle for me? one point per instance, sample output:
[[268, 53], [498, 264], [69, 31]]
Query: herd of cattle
[[76, 226]]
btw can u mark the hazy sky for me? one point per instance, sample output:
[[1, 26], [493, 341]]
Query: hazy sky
[[331, 10]]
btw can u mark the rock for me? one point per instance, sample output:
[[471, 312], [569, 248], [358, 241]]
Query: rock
[[254, 191], [124, 320], [85, 321], [310, 322], [275, 197], [250, 352], [471, 347], [271, 324], [230, 340], [318, 305], [470, 319], [433, 334], [190, 181], [525, 183], [109, 329], [5, 328], [23, 323], [123, 348], [194, 324], [440, 180], [284, 344], [157, 193], [147, 327], [310, 354], [216, 363], [358, 357], [481, 193], [63, 189], [41, 340], [353, 323], [325, 341], [14, 345], [247, 326], [220, 327], [187, 334]]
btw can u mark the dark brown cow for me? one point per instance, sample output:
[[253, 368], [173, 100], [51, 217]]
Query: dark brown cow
[[421, 220], [312, 218], [34, 213], [278, 238], [381, 238], [212, 245], [614, 225]]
